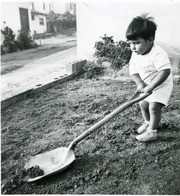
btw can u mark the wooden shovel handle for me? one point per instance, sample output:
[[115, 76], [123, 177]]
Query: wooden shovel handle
[[134, 99]]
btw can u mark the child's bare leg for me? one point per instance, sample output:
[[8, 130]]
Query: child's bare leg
[[155, 115], [144, 105]]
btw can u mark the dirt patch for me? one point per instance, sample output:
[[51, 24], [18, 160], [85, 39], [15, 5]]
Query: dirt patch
[[34, 171], [109, 161]]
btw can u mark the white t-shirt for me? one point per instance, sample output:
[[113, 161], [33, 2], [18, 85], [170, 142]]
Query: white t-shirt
[[148, 65]]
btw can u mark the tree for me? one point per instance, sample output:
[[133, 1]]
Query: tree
[[61, 22]]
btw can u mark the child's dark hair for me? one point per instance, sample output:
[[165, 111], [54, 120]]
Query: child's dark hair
[[141, 26]]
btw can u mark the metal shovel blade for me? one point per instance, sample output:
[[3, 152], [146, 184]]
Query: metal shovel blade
[[51, 162]]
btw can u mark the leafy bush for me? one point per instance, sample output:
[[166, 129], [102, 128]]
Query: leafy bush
[[117, 54], [25, 41], [9, 44], [92, 70]]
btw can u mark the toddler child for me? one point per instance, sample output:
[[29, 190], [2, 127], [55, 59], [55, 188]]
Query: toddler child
[[150, 69]]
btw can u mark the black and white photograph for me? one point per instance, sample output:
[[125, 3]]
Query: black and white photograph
[[90, 97]]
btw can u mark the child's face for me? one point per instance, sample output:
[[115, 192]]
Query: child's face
[[141, 46]]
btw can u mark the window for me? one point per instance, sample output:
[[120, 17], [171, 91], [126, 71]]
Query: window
[[44, 7], [41, 21]]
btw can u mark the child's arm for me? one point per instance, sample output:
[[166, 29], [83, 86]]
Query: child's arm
[[158, 80], [140, 84]]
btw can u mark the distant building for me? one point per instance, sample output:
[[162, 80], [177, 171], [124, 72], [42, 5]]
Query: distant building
[[38, 16], [15, 15], [31, 15], [71, 8]]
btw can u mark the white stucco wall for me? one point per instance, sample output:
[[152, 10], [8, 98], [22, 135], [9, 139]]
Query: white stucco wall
[[96, 18], [11, 16], [35, 26]]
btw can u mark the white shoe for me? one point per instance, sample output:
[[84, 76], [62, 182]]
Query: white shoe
[[143, 127], [147, 136]]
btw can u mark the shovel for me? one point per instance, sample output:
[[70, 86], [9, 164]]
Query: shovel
[[59, 159]]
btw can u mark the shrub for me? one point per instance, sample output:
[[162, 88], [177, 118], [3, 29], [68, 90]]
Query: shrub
[[9, 44], [117, 54], [25, 41], [92, 70]]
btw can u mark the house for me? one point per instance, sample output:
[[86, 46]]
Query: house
[[15, 15], [39, 11], [25, 15], [30, 15]]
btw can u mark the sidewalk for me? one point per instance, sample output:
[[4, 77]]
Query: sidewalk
[[36, 73]]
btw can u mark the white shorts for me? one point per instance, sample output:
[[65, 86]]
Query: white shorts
[[161, 94]]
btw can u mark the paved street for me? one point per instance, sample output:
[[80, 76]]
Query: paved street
[[36, 73]]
